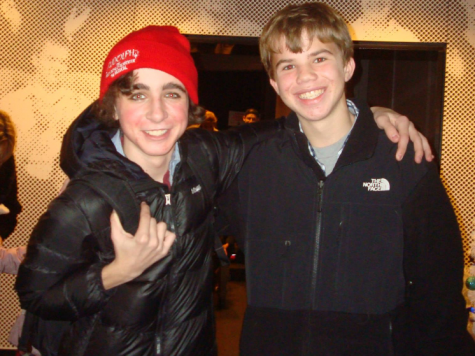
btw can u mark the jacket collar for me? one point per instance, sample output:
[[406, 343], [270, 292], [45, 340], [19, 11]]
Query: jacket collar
[[360, 145], [363, 138], [292, 125]]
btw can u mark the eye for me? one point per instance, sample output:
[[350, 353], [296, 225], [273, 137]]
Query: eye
[[173, 95], [137, 96], [320, 60], [288, 67]]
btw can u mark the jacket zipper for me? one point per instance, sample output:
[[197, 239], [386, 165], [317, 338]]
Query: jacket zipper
[[391, 345], [313, 291], [159, 339], [316, 252]]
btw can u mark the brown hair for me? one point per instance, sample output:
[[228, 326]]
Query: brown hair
[[7, 137], [316, 19], [104, 110]]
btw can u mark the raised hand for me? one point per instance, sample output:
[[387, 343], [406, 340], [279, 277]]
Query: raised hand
[[135, 253]]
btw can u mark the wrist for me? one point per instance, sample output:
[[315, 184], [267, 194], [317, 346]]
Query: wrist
[[114, 275]]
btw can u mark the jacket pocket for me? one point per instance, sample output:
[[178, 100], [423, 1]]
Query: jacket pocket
[[369, 272], [277, 272]]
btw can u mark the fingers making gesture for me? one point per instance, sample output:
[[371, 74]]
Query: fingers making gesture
[[135, 253]]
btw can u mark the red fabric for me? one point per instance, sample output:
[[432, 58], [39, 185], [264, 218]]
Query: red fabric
[[156, 47], [166, 179]]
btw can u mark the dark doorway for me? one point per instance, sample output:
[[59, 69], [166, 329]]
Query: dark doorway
[[231, 77], [407, 77]]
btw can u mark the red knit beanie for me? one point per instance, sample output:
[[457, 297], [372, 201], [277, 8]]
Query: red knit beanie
[[156, 47]]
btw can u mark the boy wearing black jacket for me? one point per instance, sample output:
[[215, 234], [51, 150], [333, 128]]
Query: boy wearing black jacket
[[355, 253]]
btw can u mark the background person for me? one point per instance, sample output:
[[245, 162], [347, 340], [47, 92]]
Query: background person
[[9, 205], [210, 122], [251, 115]]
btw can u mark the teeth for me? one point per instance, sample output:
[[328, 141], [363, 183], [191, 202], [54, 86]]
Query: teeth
[[156, 132], [311, 94]]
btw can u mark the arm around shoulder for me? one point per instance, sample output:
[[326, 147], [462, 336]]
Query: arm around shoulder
[[401, 130], [232, 146]]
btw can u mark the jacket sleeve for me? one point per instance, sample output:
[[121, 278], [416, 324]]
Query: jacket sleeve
[[232, 146], [436, 317], [60, 278]]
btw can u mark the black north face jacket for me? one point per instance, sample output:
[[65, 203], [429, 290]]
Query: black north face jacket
[[168, 309], [367, 261]]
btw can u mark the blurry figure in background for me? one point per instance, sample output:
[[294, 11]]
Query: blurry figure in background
[[250, 116], [44, 109], [210, 122], [9, 204], [10, 258]]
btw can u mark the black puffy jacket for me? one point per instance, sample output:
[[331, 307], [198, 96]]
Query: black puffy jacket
[[168, 309]]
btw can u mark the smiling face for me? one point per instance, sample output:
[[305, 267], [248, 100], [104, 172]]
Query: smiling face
[[312, 83], [153, 117]]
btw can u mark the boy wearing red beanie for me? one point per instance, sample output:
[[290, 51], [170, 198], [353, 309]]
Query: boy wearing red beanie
[[146, 291]]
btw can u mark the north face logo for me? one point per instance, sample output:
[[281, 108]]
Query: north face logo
[[377, 185]]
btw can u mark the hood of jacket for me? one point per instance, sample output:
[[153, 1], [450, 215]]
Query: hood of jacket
[[87, 145]]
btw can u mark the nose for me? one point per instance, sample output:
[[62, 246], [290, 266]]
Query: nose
[[157, 110], [306, 73]]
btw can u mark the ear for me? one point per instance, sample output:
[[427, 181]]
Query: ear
[[349, 69], [116, 115], [274, 85]]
